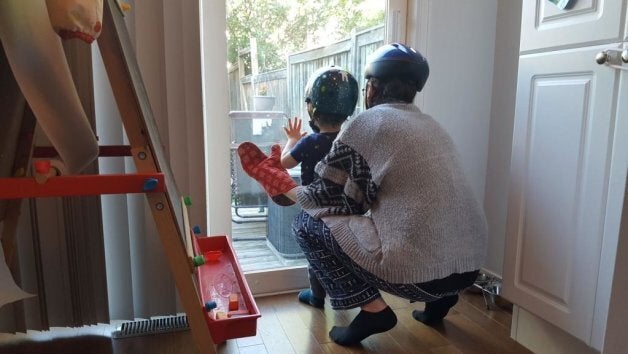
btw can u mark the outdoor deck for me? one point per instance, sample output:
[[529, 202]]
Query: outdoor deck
[[254, 251]]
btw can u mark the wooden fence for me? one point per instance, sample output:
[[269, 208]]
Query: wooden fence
[[349, 54], [288, 85]]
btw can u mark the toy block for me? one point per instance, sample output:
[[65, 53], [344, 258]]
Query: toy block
[[234, 301]]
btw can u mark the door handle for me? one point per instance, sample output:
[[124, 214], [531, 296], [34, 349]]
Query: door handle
[[612, 58], [601, 57]]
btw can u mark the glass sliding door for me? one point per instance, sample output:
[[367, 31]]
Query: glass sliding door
[[273, 47]]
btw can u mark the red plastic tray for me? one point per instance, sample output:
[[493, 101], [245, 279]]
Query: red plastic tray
[[225, 269]]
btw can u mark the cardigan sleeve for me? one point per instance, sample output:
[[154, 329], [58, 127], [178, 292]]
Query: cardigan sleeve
[[342, 184]]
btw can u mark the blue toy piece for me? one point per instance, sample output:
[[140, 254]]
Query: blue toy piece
[[150, 184], [210, 305]]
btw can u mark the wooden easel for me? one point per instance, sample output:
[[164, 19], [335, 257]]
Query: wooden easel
[[148, 155]]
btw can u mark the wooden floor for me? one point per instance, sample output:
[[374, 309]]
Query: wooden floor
[[286, 326]]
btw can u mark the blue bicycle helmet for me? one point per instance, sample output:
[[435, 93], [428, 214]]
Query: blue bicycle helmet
[[398, 61], [332, 90]]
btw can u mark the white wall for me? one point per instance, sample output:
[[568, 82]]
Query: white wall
[[459, 44], [500, 135], [470, 92]]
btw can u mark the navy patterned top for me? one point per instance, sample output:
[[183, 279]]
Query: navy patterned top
[[309, 150]]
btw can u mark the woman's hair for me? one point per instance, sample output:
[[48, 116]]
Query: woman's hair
[[393, 90]]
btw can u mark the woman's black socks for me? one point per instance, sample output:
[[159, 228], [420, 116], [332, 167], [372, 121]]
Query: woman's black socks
[[435, 311], [364, 325]]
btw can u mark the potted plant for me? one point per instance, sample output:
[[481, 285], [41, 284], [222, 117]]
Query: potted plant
[[262, 101], [262, 90]]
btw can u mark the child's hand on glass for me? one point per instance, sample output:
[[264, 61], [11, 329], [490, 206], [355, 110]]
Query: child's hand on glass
[[293, 129]]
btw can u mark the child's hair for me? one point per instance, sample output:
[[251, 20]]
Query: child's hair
[[330, 119]]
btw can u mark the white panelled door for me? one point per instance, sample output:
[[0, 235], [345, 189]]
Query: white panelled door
[[545, 26], [557, 244], [558, 180]]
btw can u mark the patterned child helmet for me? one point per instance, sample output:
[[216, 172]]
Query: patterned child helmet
[[332, 90], [398, 61]]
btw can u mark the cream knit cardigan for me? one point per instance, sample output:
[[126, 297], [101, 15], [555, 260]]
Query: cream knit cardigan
[[425, 223]]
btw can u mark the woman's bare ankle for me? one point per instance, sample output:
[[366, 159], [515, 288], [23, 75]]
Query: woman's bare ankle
[[376, 305]]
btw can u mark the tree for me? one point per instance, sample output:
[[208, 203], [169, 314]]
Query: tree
[[259, 19], [283, 26]]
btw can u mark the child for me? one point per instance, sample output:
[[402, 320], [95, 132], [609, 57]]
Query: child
[[331, 95]]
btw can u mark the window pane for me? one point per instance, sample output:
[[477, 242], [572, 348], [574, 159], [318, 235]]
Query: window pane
[[273, 48]]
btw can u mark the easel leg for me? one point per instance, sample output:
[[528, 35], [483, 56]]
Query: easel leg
[[134, 107]]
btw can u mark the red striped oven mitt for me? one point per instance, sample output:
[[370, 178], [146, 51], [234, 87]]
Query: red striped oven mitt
[[267, 171]]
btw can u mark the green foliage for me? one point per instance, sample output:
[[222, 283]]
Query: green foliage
[[259, 19], [281, 27]]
